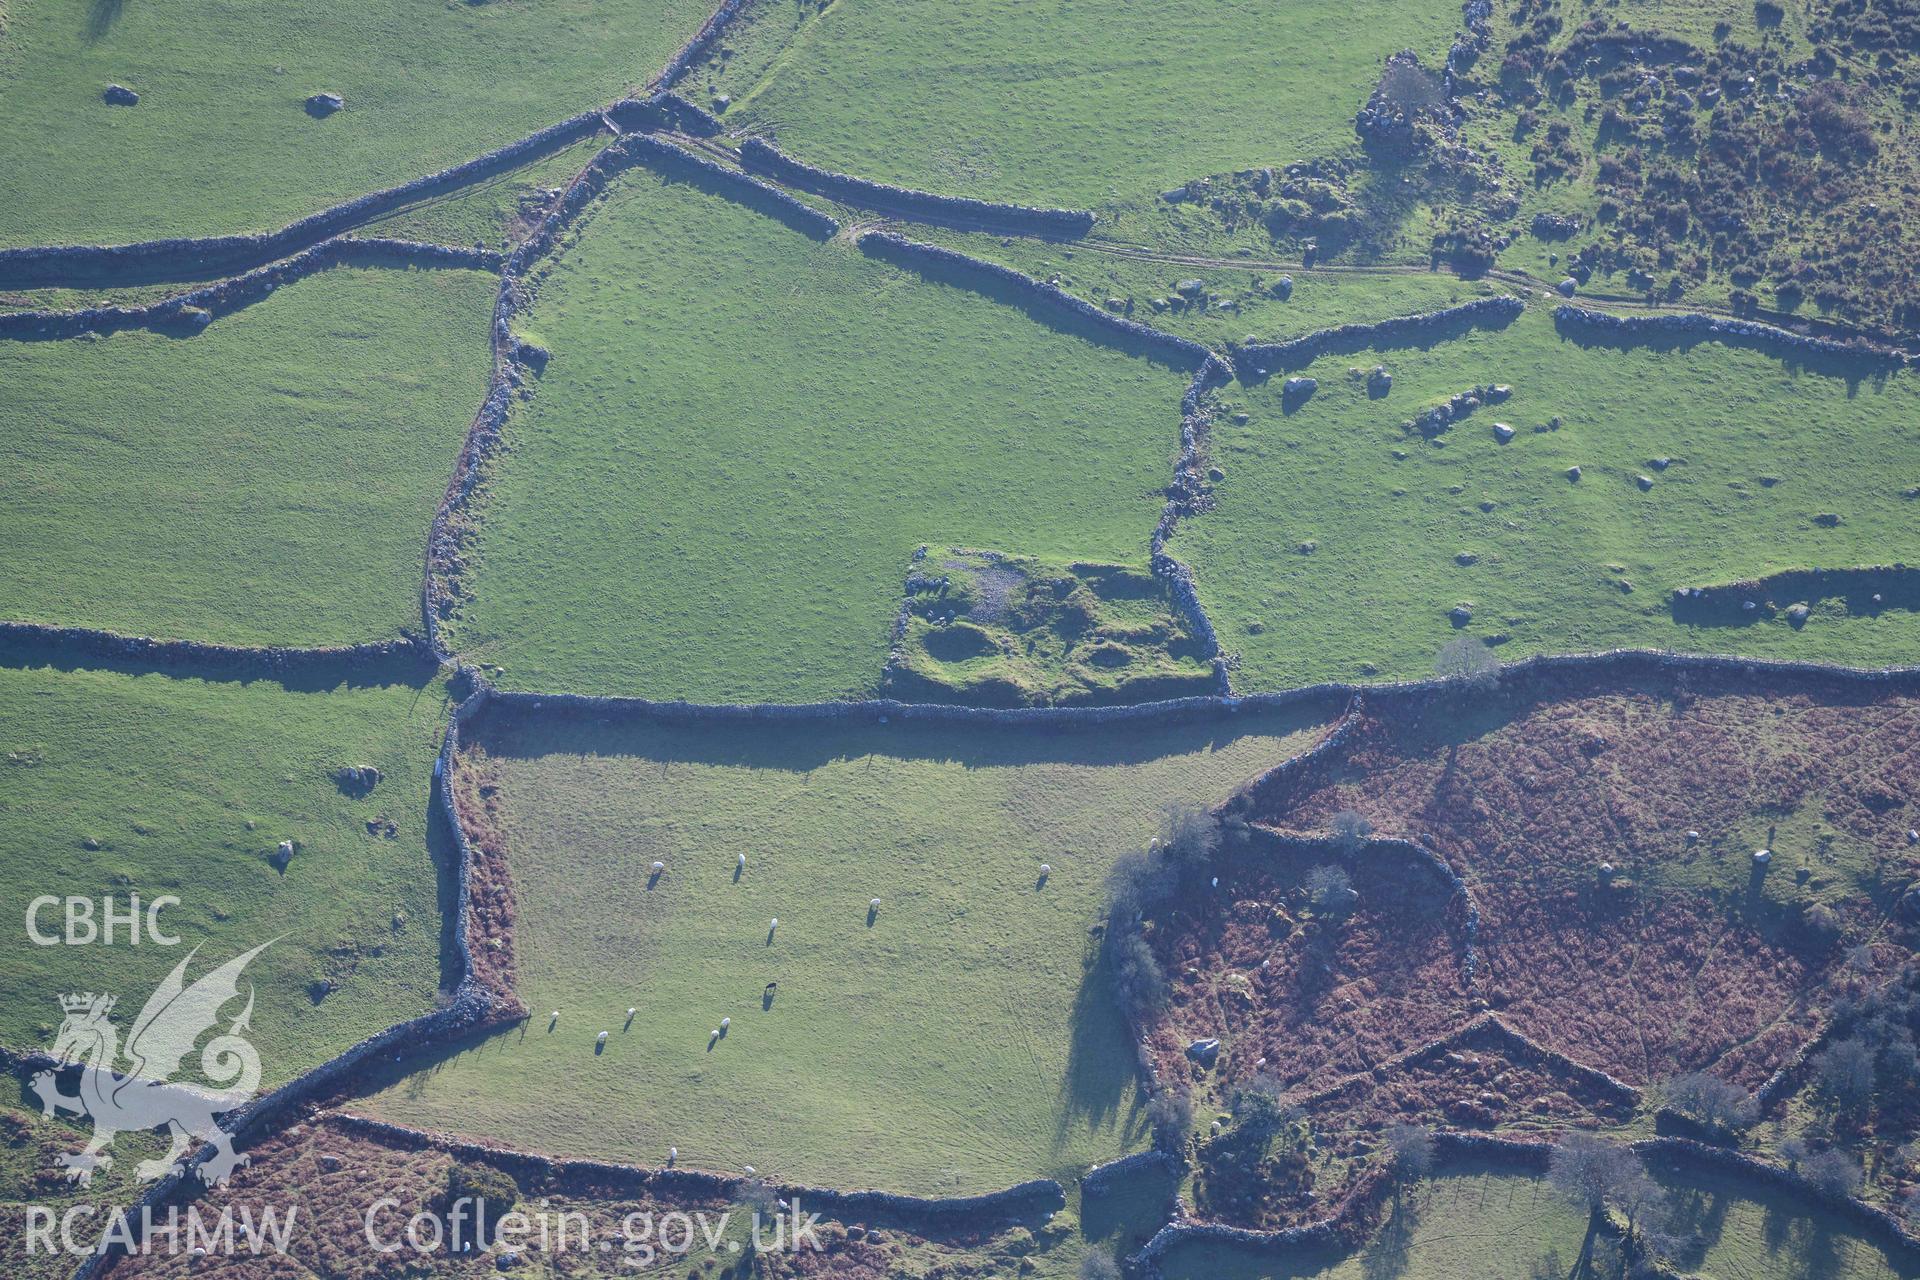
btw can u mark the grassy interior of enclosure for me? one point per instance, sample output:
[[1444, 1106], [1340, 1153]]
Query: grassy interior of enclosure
[[1339, 543], [744, 434], [1095, 105], [267, 481], [1484, 1223], [221, 142], [114, 784], [1318, 299], [958, 1038], [499, 211], [1013, 631]]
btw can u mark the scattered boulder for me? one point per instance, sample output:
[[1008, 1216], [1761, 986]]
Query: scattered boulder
[[118, 95], [1555, 226], [1205, 1052], [1379, 381], [1191, 288], [1659, 464], [1567, 287], [321, 105], [284, 854], [1573, 474], [1498, 393], [356, 779], [1797, 616], [1466, 557], [1645, 482], [1282, 288], [1827, 520], [1502, 432], [1296, 389], [1460, 615]]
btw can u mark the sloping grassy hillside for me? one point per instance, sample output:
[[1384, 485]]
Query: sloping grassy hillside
[[267, 481], [118, 784], [959, 1039], [1091, 103], [1335, 549], [221, 142], [743, 435]]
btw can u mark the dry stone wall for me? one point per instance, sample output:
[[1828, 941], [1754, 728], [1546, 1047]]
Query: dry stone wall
[[1261, 358], [897, 249], [1698, 327], [215, 255], [197, 308], [924, 206]]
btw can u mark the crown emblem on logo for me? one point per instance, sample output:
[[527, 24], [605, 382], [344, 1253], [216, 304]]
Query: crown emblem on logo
[[85, 1003]]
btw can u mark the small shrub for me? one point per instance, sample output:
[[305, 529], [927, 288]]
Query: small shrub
[[1466, 662], [1350, 830], [1099, 1265], [1411, 1146], [1331, 890], [1711, 1101], [1834, 1172]]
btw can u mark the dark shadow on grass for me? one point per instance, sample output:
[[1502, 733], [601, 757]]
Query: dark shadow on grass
[[804, 743], [101, 15], [444, 854], [296, 670], [1895, 586], [1100, 1062], [737, 187]]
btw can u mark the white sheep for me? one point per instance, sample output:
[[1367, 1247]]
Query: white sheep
[[658, 867], [673, 1154], [874, 903], [725, 1023], [743, 860], [1046, 868], [602, 1038]]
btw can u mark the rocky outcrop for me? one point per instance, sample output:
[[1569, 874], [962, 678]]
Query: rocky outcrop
[[1017, 219]]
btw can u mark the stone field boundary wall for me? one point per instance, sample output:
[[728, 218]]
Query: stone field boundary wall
[[196, 308], [1696, 326], [1262, 358], [917, 255], [105, 265], [1036, 1199], [922, 206]]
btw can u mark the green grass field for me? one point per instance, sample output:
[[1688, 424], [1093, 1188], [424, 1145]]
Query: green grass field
[[957, 1041], [186, 788], [267, 481], [743, 435], [1092, 103], [1485, 1224], [1759, 449], [220, 141]]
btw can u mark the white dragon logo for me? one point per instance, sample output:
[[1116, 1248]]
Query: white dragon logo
[[142, 1098]]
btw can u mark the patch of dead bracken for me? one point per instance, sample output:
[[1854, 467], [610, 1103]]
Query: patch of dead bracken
[[492, 909]]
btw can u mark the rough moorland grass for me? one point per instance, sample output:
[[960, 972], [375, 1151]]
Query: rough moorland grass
[[961, 1039], [1759, 449], [220, 141], [268, 481], [1096, 104], [1488, 1224], [26, 1159], [187, 787], [742, 436], [1319, 299]]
